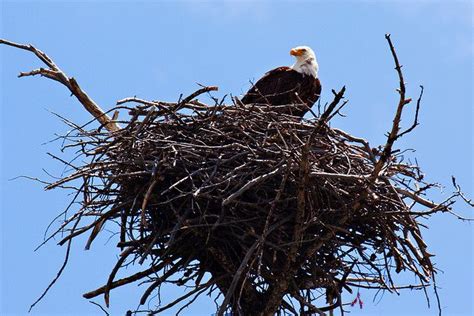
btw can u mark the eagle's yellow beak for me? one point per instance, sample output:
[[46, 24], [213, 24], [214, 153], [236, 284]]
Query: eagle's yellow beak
[[296, 52]]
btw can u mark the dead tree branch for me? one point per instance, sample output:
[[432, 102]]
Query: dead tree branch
[[55, 73]]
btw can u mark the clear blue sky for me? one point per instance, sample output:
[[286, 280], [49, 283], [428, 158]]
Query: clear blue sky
[[158, 50]]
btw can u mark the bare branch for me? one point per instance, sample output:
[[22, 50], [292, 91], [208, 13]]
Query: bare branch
[[393, 135], [55, 73], [415, 122]]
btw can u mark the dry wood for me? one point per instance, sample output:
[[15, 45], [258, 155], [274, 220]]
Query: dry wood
[[55, 73]]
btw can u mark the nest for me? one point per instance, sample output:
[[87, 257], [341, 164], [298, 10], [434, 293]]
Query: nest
[[263, 207]]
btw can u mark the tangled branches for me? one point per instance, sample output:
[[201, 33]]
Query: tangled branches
[[266, 209]]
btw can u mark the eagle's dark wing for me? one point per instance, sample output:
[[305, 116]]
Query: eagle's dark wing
[[282, 86], [272, 88]]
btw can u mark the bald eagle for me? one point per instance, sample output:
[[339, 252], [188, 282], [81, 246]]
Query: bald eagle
[[298, 85]]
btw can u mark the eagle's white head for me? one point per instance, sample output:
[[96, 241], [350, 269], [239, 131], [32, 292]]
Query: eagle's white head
[[306, 62]]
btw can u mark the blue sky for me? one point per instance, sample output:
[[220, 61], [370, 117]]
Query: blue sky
[[158, 50]]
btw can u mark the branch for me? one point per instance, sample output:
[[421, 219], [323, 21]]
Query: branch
[[198, 289], [138, 100], [250, 184], [415, 123], [324, 118], [236, 278], [132, 278], [101, 308], [123, 256], [393, 136], [60, 272], [197, 93], [55, 73], [337, 97]]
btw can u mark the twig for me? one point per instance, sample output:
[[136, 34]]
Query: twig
[[60, 272], [415, 122], [101, 308], [393, 135]]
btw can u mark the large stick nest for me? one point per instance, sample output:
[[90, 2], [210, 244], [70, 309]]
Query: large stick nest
[[267, 204]]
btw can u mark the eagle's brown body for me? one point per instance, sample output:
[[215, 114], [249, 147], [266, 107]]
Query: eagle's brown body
[[283, 86]]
